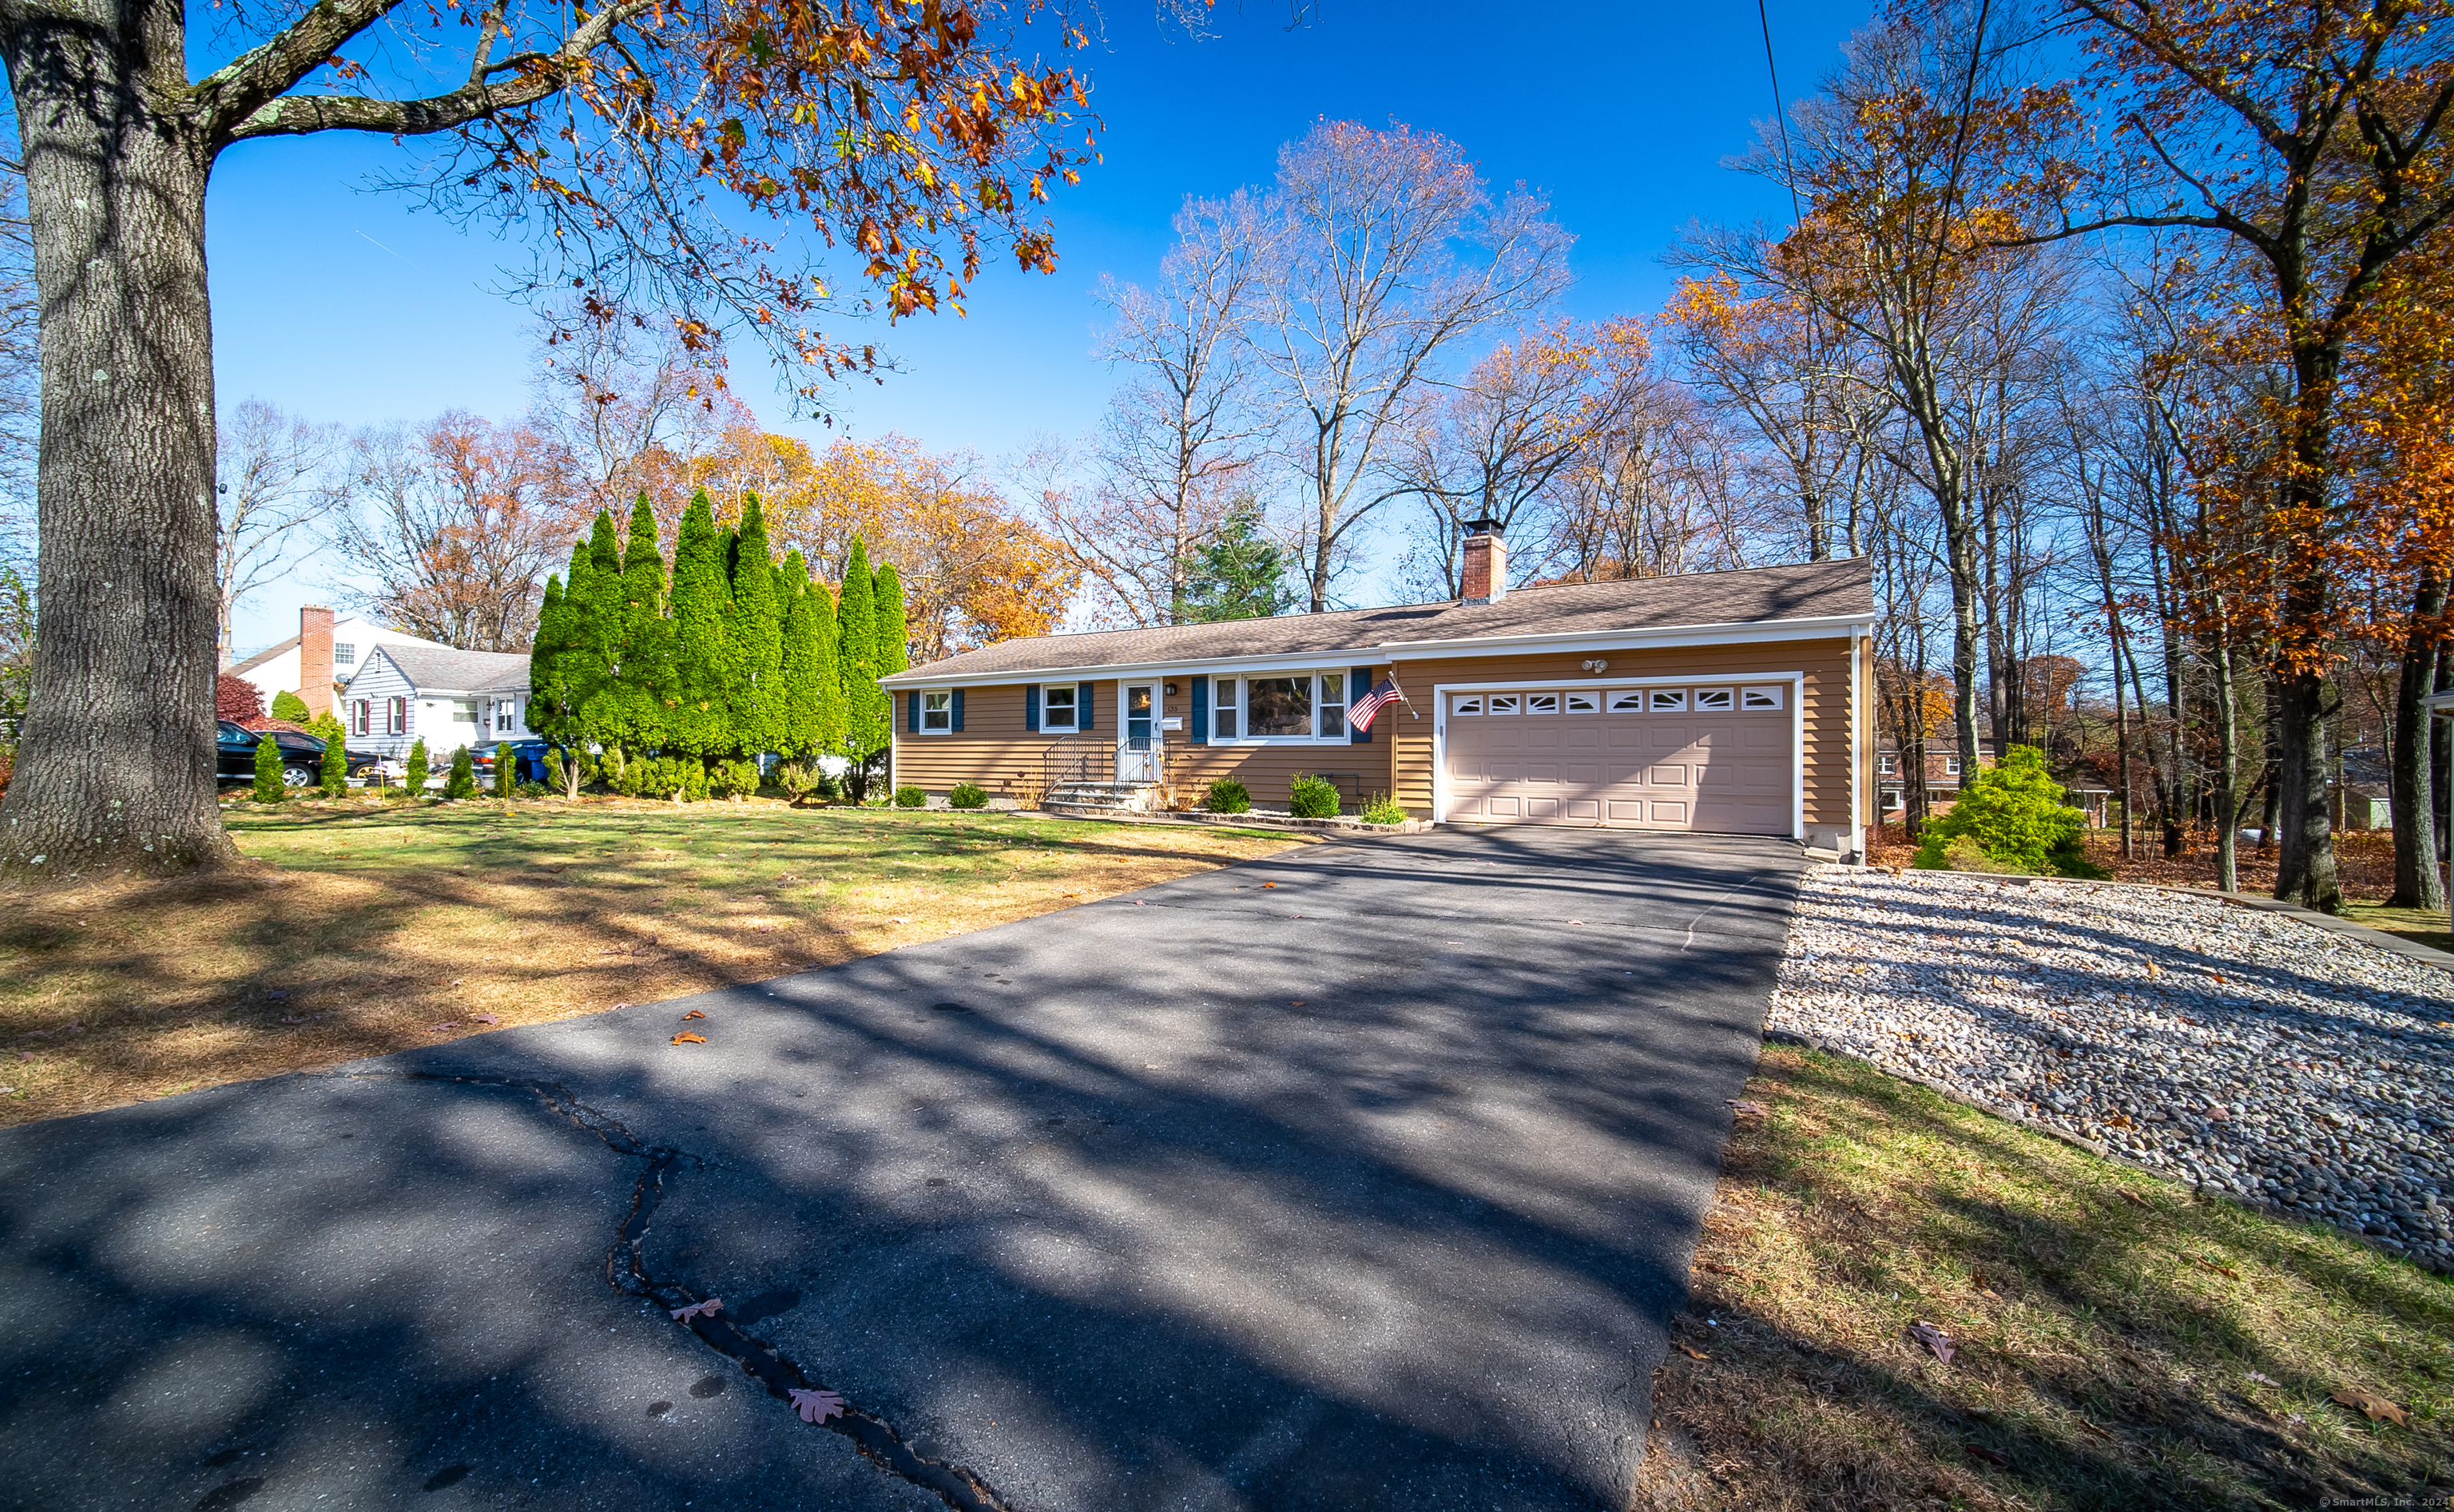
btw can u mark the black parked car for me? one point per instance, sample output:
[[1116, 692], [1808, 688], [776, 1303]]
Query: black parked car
[[302, 757]]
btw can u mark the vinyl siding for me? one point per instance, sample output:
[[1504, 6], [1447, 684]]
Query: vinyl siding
[[1826, 705], [994, 751], [380, 680]]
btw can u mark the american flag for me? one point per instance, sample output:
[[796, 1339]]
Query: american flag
[[1361, 712]]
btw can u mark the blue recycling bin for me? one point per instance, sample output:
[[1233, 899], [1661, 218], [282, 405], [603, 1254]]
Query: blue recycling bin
[[528, 761]]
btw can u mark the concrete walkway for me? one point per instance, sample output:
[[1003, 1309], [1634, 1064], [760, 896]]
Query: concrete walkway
[[1367, 1175]]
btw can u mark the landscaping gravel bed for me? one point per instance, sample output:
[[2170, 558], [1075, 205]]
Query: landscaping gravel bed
[[2246, 1051]]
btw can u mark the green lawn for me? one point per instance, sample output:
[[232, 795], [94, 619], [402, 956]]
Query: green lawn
[[2121, 1343], [374, 926]]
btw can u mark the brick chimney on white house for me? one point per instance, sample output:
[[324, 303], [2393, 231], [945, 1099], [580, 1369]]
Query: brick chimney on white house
[[316, 659], [1487, 563]]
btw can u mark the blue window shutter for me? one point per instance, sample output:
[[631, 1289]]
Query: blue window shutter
[[1031, 706], [911, 712], [1201, 711], [1083, 709], [1358, 682], [958, 710]]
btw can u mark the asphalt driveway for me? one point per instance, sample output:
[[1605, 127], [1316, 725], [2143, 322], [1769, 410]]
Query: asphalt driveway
[[1367, 1175]]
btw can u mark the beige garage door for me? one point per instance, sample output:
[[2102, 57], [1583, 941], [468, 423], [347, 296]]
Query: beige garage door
[[1715, 756]]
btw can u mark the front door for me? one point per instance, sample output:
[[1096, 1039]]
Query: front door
[[1138, 735]]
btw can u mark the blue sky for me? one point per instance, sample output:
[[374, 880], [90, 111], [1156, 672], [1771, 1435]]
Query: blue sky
[[344, 304]]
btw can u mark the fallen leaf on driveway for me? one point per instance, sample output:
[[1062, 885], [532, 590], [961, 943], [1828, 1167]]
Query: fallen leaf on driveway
[[706, 1309], [1269, 884], [1693, 1353], [1934, 1339], [686, 1037], [1579, 923], [1298, 1003], [484, 1018], [693, 1014], [816, 1406], [2376, 1409]]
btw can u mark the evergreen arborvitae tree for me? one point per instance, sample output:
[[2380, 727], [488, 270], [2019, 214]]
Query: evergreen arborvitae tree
[[893, 652], [594, 605], [419, 768], [556, 693], [336, 767], [644, 663], [797, 694], [461, 782], [827, 723], [755, 640], [696, 724], [867, 715], [268, 771]]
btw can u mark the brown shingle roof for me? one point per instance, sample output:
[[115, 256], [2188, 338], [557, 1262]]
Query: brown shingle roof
[[1842, 589]]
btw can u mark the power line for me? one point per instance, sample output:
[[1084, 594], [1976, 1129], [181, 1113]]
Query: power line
[[1779, 116]]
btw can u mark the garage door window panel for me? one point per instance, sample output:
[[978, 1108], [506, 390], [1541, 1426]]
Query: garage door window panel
[[1629, 701], [1760, 697], [1504, 703], [1583, 703], [1541, 703], [1709, 698]]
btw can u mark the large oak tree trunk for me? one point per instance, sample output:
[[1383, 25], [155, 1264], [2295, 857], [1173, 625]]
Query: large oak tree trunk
[[116, 764], [2417, 882], [2305, 871]]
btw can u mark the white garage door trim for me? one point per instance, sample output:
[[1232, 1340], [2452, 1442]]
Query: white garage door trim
[[1796, 681]]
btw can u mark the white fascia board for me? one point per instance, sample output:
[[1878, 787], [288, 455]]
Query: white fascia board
[[1667, 638]]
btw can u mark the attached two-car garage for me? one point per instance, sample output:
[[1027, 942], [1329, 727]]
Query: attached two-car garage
[[1710, 756]]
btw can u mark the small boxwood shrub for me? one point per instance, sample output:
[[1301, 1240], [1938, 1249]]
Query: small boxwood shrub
[[968, 795], [1312, 798], [1383, 810], [907, 797], [1227, 796], [2013, 815]]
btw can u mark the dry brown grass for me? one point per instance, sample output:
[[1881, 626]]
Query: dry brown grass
[[362, 928], [2121, 1345]]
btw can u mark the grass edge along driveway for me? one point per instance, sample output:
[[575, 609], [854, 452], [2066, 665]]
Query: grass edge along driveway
[[365, 927]]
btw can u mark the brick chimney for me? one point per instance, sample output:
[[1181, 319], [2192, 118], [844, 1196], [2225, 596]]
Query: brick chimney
[[316, 658], [1487, 563]]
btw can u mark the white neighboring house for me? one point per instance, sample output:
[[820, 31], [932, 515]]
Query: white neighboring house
[[326, 654], [450, 699]]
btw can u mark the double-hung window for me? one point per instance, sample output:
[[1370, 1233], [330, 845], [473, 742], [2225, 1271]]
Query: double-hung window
[[344, 654], [395, 717], [1056, 707], [937, 713], [1285, 706]]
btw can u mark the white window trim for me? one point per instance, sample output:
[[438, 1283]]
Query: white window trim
[[927, 694], [1073, 724], [1244, 677], [1796, 682]]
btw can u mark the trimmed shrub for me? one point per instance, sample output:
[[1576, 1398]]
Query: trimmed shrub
[[1312, 798], [288, 705], [462, 781], [800, 780], [1383, 810], [418, 762], [268, 772], [336, 768], [2012, 813], [733, 779], [1227, 796], [907, 797], [968, 795], [532, 790]]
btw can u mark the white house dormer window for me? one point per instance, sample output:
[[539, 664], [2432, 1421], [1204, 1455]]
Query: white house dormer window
[[937, 713]]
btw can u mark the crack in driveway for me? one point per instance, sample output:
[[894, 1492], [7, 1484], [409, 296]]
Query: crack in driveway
[[626, 1271]]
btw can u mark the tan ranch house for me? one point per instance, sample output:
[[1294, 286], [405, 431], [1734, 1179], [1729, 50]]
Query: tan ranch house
[[1734, 702]]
